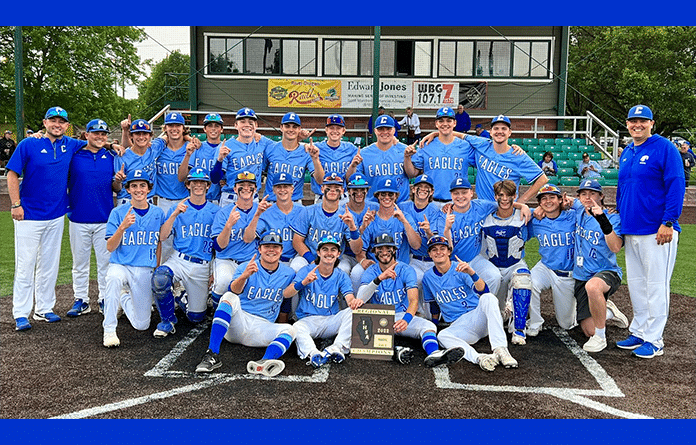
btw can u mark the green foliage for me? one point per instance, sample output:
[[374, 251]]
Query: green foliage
[[75, 67], [167, 83], [618, 67]]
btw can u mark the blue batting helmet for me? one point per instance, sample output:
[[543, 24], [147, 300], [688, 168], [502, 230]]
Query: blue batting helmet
[[198, 174]]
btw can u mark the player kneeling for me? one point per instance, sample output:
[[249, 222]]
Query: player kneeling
[[466, 303], [393, 282], [246, 314], [321, 287]]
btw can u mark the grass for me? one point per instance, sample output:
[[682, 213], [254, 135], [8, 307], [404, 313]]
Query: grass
[[682, 279]]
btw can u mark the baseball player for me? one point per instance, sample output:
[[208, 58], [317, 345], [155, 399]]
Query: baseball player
[[228, 234], [466, 303], [555, 232], [90, 200], [597, 274], [649, 197], [289, 156], [37, 210], [390, 281], [321, 287], [190, 225], [248, 310], [335, 154], [132, 237], [206, 155]]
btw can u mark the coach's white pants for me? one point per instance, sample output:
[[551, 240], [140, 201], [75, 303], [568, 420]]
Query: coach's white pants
[[488, 271], [324, 326], [167, 244], [37, 256], [224, 270], [649, 270], [564, 302], [251, 330], [471, 327], [82, 238], [131, 288], [195, 279]]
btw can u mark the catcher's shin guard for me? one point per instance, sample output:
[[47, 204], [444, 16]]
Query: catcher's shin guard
[[521, 286], [161, 281]]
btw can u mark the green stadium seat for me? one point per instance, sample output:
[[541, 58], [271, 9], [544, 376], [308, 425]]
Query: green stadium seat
[[471, 171], [595, 156], [558, 155], [549, 147], [566, 171], [523, 181], [611, 182], [578, 141], [610, 173], [307, 177], [546, 141], [587, 148], [602, 181], [565, 163], [562, 141], [517, 141], [531, 148], [530, 141], [554, 180], [472, 179], [569, 181], [566, 148], [574, 156]]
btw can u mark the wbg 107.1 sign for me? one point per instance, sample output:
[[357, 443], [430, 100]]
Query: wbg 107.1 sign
[[435, 94]]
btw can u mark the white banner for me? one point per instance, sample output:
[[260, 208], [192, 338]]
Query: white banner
[[393, 94], [435, 94]]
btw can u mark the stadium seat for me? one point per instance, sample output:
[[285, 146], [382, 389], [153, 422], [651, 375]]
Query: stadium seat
[[472, 179], [566, 172], [546, 141], [565, 163], [595, 156], [578, 141], [610, 173], [517, 141], [471, 171], [611, 182], [557, 155], [566, 148], [554, 180], [569, 181], [562, 141], [575, 156], [530, 141]]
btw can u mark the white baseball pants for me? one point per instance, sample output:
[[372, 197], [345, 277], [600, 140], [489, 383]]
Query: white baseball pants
[[82, 238], [564, 302], [324, 326], [251, 330], [131, 288]]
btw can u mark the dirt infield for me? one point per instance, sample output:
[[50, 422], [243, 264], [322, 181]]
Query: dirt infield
[[61, 370]]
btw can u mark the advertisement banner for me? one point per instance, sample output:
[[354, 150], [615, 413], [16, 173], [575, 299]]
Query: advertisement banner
[[435, 94], [304, 93], [474, 95], [393, 94]]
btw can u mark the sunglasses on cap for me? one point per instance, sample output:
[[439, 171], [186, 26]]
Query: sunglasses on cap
[[246, 176]]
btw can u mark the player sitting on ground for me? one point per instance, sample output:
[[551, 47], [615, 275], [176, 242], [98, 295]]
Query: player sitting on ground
[[246, 314], [467, 304]]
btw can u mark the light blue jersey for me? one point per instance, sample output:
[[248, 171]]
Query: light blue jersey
[[146, 163], [453, 291], [358, 218], [392, 291], [591, 250], [504, 238], [556, 240], [205, 158], [322, 296], [334, 159], [263, 291], [243, 157], [237, 249], [274, 220], [314, 224], [139, 241], [466, 230], [444, 163], [192, 230], [435, 218], [395, 229], [276, 159], [379, 164], [168, 185]]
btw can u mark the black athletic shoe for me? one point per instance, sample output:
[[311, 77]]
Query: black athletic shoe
[[209, 362]]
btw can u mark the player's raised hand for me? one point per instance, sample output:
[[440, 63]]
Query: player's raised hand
[[126, 123], [357, 159], [121, 174], [517, 150], [389, 273], [449, 219], [264, 205], [312, 149], [304, 133], [251, 267], [595, 209], [410, 150], [234, 216], [348, 219], [398, 214], [311, 276], [129, 219], [223, 152], [425, 224], [181, 207], [463, 266]]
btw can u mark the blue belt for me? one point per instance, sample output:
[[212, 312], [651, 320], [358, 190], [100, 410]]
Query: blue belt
[[192, 259], [422, 258], [562, 273], [285, 259]]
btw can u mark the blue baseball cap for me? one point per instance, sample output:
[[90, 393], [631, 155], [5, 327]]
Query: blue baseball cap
[[501, 118], [384, 239], [385, 185], [271, 238], [478, 126], [437, 240], [590, 184], [385, 120], [460, 183], [444, 112], [335, 119], [640, 111], [328, 239], [282, 178], [97, 125], [549, 189], [291, 118], [686, 142], [212, 118], [333, 178], [56, 112], [137, 175], [198, 174], [174, 118], [140, 126], [358, 181], [424, 179], [246, 112]]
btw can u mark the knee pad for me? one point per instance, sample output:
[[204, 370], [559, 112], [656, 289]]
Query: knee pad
[[162, 281]]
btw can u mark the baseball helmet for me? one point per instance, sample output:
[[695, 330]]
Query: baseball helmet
[[333, 178], [246, 112], [271, 238], [501, 118], [385, 185], [56, 112], [460, 183], [291, 118], [549, 189], [245, 177], [282, 178], [437, 240], [640, 111], [174, 118], [328, 239], [97, 125], [590, 184], [140, 126], [383, 239], [424, 179], [198, 174], [212, 118], [335, 119], [137, 175], [385, 120], [357, 181], [444, 112]]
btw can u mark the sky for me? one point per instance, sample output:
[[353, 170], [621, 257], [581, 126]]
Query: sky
[[160, 42]]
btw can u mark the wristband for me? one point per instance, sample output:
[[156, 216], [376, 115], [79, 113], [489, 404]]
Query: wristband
[[475, 277], [309, 256], [16, 205], [377, 281], [299, 286], [354, 234], [604, 223], [408, 317]]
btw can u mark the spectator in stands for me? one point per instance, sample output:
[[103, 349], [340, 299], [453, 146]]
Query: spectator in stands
[[548, 165], [412, 123], [397, 127], [588, 168], [7, 146], [688, 160], [481, 132], [463, 120]]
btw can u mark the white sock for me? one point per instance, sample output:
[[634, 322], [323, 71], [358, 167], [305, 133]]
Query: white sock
[[601, 333]]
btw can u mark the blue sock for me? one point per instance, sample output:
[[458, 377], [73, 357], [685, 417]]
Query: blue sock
[[430, 343], [278, 347], [221, 322]]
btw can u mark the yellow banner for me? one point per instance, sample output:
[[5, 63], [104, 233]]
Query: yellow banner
[[304, 93]]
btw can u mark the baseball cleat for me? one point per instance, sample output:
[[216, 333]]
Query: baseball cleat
[[487, 362], [504, 358], [111, 340], [101, 306], [531, 332], [78, 308], [163, 329], [49, 317], [595, 344], [403, 355], [319, 360], [337, 356], [209, 362], [619, 319], [267, 367], [444, 356], [22, 324], [632, 342], [518, 338], [648, 350]]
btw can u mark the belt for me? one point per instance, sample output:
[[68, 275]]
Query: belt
[[192, 259], [285, 259], [422, 258], [563, 273], [441, 200]]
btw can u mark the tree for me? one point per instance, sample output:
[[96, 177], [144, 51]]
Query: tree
[[610, 69], [74, 67], [167, 83]]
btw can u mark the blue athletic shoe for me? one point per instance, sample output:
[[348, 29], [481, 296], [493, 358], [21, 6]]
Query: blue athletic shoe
[[632, 342], [101, 307], [337, 357], [320, 360], [48, 316], [22, 324], [79, 308], [648, 350], [163, 329]]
